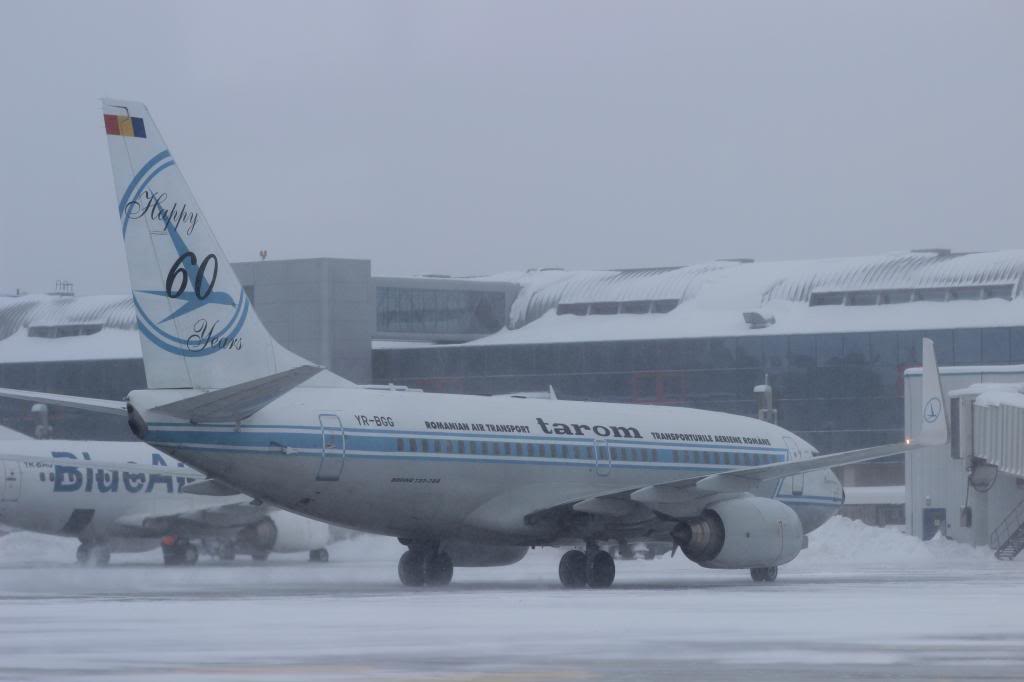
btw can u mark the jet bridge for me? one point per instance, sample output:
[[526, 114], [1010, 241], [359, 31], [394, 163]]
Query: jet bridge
[[977, 494]]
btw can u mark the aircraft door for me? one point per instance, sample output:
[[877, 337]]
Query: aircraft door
[[795, 483], [602, 458], [10, 487], [332, 454]]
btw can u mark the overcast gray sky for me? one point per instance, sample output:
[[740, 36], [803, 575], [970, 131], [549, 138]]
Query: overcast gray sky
[[477, 137]]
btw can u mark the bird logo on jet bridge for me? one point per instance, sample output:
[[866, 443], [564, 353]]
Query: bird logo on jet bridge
[[932, 410]]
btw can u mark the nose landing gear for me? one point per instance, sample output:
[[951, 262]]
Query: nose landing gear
[[89, 554], [766, 574]]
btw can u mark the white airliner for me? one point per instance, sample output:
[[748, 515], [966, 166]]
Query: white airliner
[[133, 499], [460, 480]]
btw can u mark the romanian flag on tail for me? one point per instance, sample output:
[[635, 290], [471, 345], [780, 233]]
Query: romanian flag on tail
[[126, 126]]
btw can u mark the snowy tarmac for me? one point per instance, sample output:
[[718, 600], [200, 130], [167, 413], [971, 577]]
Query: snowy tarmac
[[860, 603]]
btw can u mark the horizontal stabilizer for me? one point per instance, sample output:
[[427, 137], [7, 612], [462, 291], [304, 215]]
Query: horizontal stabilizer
[[235, 403], [91, 404]]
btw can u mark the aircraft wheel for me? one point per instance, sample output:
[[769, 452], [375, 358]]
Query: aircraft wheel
[[572, 569], [189, 555], [412, 568], [92, 555], [600, 570], [764, 574], [438, 570], [100, 555], [319, 555]]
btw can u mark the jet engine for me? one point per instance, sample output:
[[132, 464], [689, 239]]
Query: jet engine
[[281, 531], [468, 554], [743, 532]]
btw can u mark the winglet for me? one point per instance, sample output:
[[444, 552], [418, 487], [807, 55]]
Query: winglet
[[934, 419]]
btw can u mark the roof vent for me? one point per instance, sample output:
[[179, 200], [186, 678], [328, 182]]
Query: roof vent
[[756, 320]]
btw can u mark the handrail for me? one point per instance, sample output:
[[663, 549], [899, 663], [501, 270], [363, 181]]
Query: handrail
[[1009, 526]]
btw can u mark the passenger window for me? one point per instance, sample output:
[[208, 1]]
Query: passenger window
[[508, 448], [412, 445], [42, 476], [448, 446], [462, 447], [401, 444], [519, 449], [424, 446], [565, 452], [472, 447], [529, 449], [437, 446]]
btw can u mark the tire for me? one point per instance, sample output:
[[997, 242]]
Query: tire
[[319, 555], [764, 574], [100, 556], [412, 568], [189, 555], [82, 554], [438, 570], [572, 569], [600, 570]]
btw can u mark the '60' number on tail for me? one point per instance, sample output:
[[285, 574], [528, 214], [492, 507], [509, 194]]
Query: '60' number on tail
[[178, 276]]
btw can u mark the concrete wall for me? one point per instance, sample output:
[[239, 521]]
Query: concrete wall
[[935, 480], [324, 309]]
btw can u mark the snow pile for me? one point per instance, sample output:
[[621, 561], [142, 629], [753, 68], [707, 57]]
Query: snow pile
[[21, 548], [842, 541]]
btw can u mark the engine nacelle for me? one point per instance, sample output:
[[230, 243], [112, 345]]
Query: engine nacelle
[[282, 531], [468, 554], [744, 532]]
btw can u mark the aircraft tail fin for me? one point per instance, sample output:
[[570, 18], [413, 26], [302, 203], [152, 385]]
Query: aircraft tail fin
[[934, 417], [197, 326]]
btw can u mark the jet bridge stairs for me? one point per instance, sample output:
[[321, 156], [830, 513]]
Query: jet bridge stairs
[[1008, 538]]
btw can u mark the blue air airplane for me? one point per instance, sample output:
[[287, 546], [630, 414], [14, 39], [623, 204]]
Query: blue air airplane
[[124, 497], [459, 480]]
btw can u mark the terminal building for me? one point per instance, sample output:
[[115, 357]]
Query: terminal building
[[832, 337]]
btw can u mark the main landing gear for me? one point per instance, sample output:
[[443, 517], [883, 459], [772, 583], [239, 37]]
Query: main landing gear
[[320, 556], [428, 566], [766, 574], [179, 551], [89, 554], [595, 568]]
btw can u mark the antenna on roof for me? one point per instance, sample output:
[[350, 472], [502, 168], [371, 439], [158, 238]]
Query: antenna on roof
[[63, 288]]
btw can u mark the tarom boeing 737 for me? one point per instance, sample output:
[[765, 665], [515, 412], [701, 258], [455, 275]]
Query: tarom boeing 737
[[459, 480]]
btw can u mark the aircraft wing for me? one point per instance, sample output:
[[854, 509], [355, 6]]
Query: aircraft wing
[[680, 495], [116, 407], [204, 518]]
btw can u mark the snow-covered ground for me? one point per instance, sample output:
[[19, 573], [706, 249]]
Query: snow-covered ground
[[859, 603]]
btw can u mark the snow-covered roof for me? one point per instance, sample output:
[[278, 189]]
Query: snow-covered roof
[[928, 289], [47, 327]]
